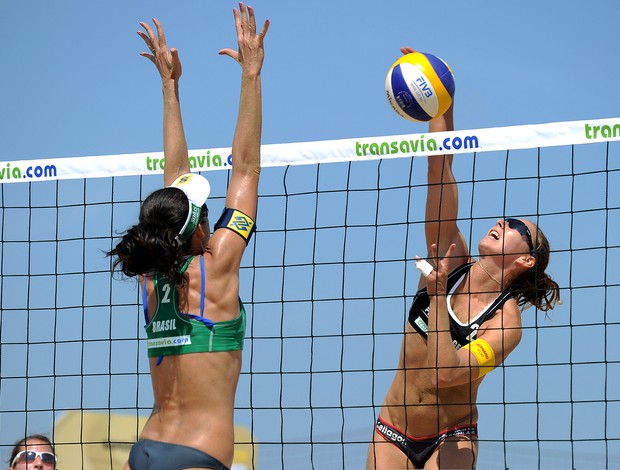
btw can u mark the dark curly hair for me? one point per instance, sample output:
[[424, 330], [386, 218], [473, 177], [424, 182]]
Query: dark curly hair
[[535, 287], [154, 243]]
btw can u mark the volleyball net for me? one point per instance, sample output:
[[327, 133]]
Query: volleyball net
[[327, 280]]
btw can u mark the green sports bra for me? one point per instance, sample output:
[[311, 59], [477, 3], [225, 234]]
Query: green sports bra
[[172, 332]]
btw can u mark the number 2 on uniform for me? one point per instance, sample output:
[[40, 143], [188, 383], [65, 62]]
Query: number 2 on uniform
[[166, 289]]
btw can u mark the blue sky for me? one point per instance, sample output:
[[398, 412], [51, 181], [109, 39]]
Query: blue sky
[[73, 84]]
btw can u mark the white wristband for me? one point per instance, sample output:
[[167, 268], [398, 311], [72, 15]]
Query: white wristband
[[424, 267]]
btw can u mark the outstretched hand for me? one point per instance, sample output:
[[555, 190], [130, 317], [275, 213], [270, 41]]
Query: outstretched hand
[[251, 52], [437, 280], [166, 60]]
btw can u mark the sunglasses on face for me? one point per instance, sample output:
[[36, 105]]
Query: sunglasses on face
[[520, 227], [29, 456]]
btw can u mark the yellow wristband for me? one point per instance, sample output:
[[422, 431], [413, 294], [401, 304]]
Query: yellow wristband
[[484, 354]]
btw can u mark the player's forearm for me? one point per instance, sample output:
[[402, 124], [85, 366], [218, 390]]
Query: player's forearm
[[440, 351], [175, 145], [246, 143]]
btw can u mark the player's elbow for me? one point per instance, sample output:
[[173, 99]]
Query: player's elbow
[[453, 376], [247, 167], [442, 377], [440, 168]]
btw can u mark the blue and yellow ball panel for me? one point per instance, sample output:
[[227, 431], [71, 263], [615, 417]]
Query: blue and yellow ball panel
[[407, 96], [443, 71]]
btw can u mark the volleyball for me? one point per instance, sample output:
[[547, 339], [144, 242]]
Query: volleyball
[[419, 86]]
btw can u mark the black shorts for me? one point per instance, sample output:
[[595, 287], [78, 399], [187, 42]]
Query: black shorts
[[154, 455], [419, 450]]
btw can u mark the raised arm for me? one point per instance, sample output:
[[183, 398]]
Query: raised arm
[[442, 201], [243, 189], [169, 68], [226, 246]]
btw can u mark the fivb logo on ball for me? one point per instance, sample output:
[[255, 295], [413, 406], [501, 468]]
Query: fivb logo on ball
[[419, 86]]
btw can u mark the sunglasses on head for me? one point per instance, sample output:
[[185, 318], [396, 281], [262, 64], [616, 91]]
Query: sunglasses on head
[[520, 227], [29, 456]]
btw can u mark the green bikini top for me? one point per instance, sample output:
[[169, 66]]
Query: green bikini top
[[172, 332]]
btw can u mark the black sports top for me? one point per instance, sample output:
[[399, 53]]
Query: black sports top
[[462, 333]]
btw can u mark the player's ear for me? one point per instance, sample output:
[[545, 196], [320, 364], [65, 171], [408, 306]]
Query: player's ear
[[527, 262]]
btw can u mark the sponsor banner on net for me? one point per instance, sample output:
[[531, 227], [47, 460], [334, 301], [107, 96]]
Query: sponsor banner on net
[[328, 151]]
